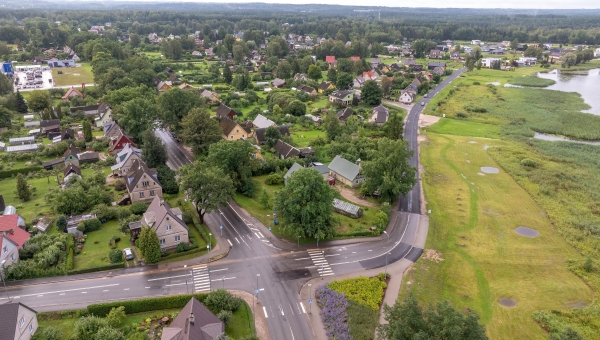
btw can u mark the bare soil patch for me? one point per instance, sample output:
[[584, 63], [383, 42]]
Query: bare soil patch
[[427, 120], [433, 255], [351, 196]]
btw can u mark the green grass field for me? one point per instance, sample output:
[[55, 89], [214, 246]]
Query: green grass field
[[96, 249], [532, 81], [72, 76], [472, 225]]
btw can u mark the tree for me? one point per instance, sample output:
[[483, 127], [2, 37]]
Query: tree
[[265, 199], [393, 127], [277, 110], [149, 245], [422, 47], [332, 75], [236, 159], [388, 169], [227, 74], [115, 256], [87, 131], [38, 100], [344, 81], [304, 205], [371, 93], [154, 152], [136, 116], [61, 223], [568, 60], [406, 320], [296, 108], [6, 86], [314, 72], [200, 131], [5, 117], [567, 334], [166, 177], [333, 127], [23, 191], [208, 187], [284, 70], [272, 134], [116, 316], [386, 85], [534, 51], [59, 113], [86, 327], [513, 46], [109, 333], [21, 104], [381, 219], [175, 104]]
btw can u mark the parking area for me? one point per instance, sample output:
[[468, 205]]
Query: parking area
[[33, 77]]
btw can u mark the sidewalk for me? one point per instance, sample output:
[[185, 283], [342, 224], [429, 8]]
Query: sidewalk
[[396, 271]]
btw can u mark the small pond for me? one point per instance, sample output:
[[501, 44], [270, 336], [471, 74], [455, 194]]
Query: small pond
[[582, 82], [527, 232]]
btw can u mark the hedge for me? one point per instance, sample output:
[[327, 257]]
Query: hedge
[[97, 269], [70, 249], [13, 172], [176, 255], [145, 305]]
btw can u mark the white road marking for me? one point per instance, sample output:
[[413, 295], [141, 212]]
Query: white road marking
[[61, 294], [237, 240], [126, 289], [237, 232], [40, 296], [230, 244], [291, 332], [303, 310], [281, 310], [106, 290], [221, 279], [265, 311], [303, 258], [248, 236], [147, 287], [169, 277], [257, 236], [261, 235], [70, 290], [218, 270], [81, 293]]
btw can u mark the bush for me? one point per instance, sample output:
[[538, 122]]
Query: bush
[[366, 291], [529, 163], [120, 185], [182, 247], [187, 218], [90, 225], [115, 256], [145, 305], [97, 269], [220, 300], [274, 179], [61, 223], [116, 316], [476, 83], [461, 115], [87, 327], [15, 172], [474, 108], [138, 208], [48, 333], [224, 316]]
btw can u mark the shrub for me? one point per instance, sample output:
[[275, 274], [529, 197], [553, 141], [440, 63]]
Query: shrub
[[529, 163], [333, 312], [220, 300], [182, 247], [90, 225], [87, 327], [48, 333], [120, 185], [115, 256], [366, 291], [96, 269], [138, 208], [476, 83], [61, 223], [474, 108], [187, 218], [461, 115], [145, 305], [116, 316], [274, 179], [224, 316]]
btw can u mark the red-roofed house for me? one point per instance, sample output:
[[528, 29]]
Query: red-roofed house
[[72, 92], [9, 228], [117, 144], [354, 58], [330, 59]]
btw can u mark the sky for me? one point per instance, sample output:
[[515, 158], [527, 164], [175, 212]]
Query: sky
[[531, 4]]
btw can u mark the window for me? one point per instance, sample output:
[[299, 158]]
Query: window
[[151, 192], [145, 184], [237, 131], [169, 228], [5, 249], [177, 238], [12, 257], [162, 241], [231, 137], [141, 195], [22, 322], [30, 329]]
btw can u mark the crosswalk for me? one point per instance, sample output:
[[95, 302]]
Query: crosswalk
[[201, 278], [320, 262]]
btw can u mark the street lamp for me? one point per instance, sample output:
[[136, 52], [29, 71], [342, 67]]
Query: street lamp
[[298, 241], [209, 241], [309, 297], [3, 280], [388, 236], [221, 223], [255, 303]]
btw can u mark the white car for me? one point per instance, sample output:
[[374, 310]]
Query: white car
[[128, 254], [422, 103]]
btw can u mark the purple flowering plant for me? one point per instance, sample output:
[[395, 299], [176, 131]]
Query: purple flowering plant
[[333, 307]]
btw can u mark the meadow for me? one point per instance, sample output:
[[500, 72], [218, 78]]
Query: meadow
[[73, 75]]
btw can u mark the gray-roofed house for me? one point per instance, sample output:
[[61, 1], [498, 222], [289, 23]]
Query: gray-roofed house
[[88, 157], [194, 322], [260, 134], [346, 172], [285, 150], [17, 321], [380, 115], [262, 122], [49, 126], [295, 167], [166, 221], [112, 129], [433, 65], [342, 97], [142, 182], [345, 114], [435, 54], [300, 77], [71, 170], [225, 111], [125, 159], [278, 83]]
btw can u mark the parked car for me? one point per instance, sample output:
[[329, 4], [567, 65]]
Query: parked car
[[426, 95], [422, 103], [128, 254]]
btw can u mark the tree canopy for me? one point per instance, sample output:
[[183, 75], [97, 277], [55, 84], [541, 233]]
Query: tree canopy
[[236, 159], [199, 131]]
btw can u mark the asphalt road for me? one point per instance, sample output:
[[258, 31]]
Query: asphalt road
[[256, 262]]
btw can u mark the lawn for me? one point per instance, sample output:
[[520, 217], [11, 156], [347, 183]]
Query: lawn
[[302, 137], [37, 206], [472, 224], [465, 128], [532, 81], [96, 249], [72, 76]]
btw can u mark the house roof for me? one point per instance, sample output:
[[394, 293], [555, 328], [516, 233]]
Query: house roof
[[306, 88], [72, 150], [285, 149], [206, 326], [224, 111], [341, 94], [278, 82], [110, 127], [260, 132], [116, 141], [227, 125], [324, 85], [18, 235], [345, 206], [300, 76], [330, 59], [430, 65], [9, 314], [295, 167], [67, 133], [49, 123], [344, 167], [262, 122], [345, 114], [137, 172], [88, 155], [124, 155], [90, 109], [52, 163], [72, 91], [71, 168], [382, 113], [157, 211]]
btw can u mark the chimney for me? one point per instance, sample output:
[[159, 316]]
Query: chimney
[[192, 318]]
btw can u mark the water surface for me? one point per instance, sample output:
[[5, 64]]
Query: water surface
[[583, 82]]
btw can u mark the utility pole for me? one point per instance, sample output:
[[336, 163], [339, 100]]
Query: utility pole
[[309, 297]]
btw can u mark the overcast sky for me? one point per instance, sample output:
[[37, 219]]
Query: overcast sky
[[531, 4]]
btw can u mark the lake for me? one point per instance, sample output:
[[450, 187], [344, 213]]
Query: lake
[[583, 82]]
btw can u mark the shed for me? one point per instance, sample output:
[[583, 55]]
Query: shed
[[21, 140], [26, 147], [43, 224], [347, 209]]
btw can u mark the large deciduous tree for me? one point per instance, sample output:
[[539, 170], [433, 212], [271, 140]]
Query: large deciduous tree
[[175, 104], [5, 117], [200, 131], [304, 205], [149, 245], [406, 320], [393, 127], [38, 100], [284, 70], [154, 152], [388, 169], [136, 116], [332, 125], [314, 72], [371, 93], [236, 159], [344, 81], [208, 187], [272, 134]]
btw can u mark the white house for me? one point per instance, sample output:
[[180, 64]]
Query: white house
[[475, 42], [489, 62], [527, 61], [407, 97], [597, 53]]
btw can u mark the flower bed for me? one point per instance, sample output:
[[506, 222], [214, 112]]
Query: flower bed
[[364, 290], [333, 307]]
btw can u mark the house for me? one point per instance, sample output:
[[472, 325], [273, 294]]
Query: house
[[88, 157], [210, 97], [17, 321], [455, 55], [406, 97], [260, 133], [330, 59], [61, 63], [354, 58], [311, 91], [345, 114], [295, 167], [475, 42], [197, 54], [348, 173], [326, 85], [380, 115], [300, 77], [315, 119], [164, 85], [375, 63], [597, 53], [72, 92], [285, 151], [185, 86], [433, 65], [467, 49], [224, 111], [234, 131], [71, 171], [489, 62], [70, 156], [10, 226], [49, 126], [358, 82], [435, 54], [112, 129], [278, 83], [166, 221], [439, 71], [527, 61], [262, 122], [142, 182], [67, 134], [343, 98], [90, 110], [105, 117], [194, 322], [125, 159], [117, 144]]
